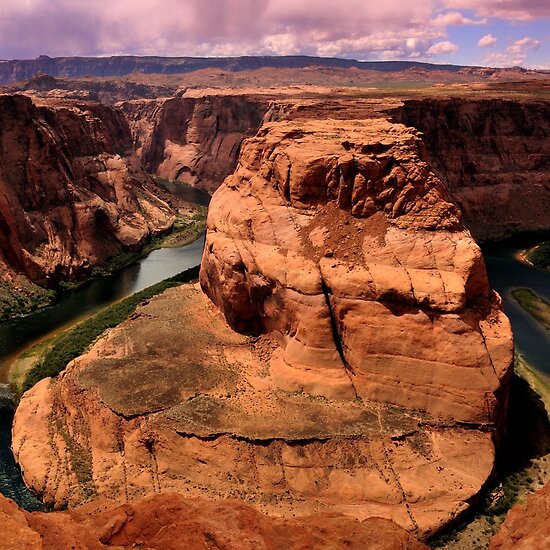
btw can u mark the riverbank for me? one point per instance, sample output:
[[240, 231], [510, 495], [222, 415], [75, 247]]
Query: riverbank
[[73, 342], [538, 308], [184, 231], [539, 256]]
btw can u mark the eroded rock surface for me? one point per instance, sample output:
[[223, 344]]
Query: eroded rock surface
[[175, 400], [527, 526], [494, 155], [366, 375], [193, 140], [172, 522], [72, 193], [337, 237]]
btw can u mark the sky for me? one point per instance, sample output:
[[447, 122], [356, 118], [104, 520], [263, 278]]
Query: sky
[[495, 33]]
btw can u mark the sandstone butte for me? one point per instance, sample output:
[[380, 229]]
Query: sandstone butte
[[172, 522], [345, 354], [72, 191]]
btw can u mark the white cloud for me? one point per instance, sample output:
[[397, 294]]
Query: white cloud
[[487, 41], [442, 48], [364, 29], [518, 10], [524, 45], [455, 18], [515, 54]]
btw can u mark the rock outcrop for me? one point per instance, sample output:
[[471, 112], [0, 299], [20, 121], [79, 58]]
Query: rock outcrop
[[337, 237], [527, 526], [193, 140], [367, 372], [72, 193], [494, 156], [172, 522]]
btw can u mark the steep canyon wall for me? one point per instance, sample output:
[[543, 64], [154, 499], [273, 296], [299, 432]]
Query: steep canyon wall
[[193, 140], [72, 193], [493, 155]]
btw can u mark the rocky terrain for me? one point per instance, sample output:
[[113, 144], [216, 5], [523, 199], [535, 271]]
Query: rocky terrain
[[72, 192], [494, 157], [527, 525], [12, 71], [172, 522], [193, 140], [353, 359]]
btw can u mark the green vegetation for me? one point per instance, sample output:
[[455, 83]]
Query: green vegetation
[[540, 256], [76, 341], [538, 308], [15, 302]]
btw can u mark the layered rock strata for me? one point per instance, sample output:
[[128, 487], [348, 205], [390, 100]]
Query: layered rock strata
[[193, 140], [338, 238], [72, 193], [173, 522], [367, 371], [494, 156]]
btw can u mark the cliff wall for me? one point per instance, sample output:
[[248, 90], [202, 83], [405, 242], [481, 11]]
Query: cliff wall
[[193, 140], [493, 155], [72, 193]]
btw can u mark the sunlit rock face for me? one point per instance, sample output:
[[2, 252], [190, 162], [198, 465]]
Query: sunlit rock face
[[337, 237]]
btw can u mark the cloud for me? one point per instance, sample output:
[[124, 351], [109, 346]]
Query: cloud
[[515, 54], [487, 41], [441, 48], [455, 19], [365, 29], [518, 10]]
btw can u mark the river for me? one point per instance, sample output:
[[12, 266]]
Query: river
[[506, 273], [92, 296]]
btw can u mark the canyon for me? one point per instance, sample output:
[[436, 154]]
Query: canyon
[[488, 153], [72, 194], [345, 357]]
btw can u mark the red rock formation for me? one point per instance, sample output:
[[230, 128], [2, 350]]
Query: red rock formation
[[72, 193], [171, 522], [337, 237], [494, 156], [377, 379], [527, 526], [193, 140]]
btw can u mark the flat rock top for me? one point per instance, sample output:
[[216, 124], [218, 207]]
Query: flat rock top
[[177, 357]]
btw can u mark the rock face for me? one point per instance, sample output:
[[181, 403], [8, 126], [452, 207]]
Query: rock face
[[128, 420], [72, 193], [526, 526], [338, 238], [172, 522], [494, 156], [367, 373], [193, 140]]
